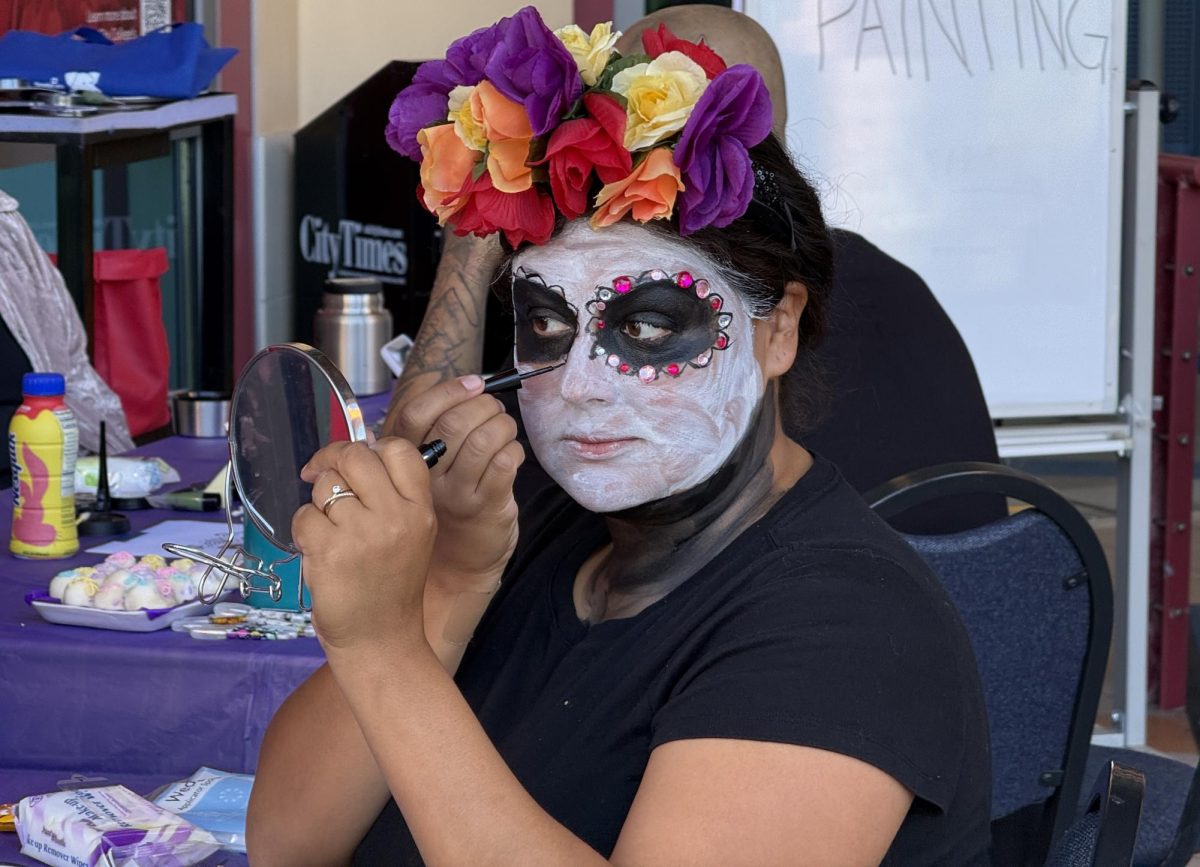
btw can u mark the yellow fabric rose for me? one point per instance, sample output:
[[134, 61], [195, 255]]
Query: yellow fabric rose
[[592, 52], [660, 96], [468, 127]]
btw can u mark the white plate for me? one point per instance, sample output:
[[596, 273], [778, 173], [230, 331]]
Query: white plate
[[124, 621]]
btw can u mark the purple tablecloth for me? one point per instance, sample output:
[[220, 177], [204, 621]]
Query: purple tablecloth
[[154, 703], [141, 709]]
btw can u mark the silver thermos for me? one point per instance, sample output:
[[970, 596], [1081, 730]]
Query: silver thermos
[[351, 327]]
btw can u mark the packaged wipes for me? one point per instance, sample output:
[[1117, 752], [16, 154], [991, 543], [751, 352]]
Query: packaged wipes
[[213, 800], [127, 477], [110, 827]]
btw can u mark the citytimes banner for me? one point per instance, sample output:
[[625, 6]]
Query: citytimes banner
[[350, 249], [119, 20], [357, 215], [356, 209]]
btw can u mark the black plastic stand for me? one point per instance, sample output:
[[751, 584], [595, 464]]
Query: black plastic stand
[[103, 521]]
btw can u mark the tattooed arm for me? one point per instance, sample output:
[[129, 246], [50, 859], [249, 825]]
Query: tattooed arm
[[473, 482], [450, 341]]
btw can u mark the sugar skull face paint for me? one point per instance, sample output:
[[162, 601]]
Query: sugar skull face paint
[[615, 441], [546, 324], [657, 324]]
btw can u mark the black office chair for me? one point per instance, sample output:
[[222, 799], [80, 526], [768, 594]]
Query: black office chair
[[1170, 832], [1105, 834], [1033, 590], [1186, 840]]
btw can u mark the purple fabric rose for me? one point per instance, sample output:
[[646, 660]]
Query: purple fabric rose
[[732, 115], [530, 65], [415, 107], [467, 57], [426, 100]]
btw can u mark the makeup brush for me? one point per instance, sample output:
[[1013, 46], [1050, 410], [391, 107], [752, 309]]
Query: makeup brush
[[510, 380]]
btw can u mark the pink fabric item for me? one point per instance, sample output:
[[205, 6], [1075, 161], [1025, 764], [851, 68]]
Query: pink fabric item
[[32, 293]]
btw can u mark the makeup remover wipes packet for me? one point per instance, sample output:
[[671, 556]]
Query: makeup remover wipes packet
[[108, 826], [213, 800]]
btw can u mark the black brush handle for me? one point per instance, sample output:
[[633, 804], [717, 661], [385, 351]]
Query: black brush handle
[[103, 501]]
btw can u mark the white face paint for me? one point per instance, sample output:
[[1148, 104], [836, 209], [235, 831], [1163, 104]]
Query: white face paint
[[613, 441]]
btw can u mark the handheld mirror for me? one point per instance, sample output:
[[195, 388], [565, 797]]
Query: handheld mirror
[[289, 401]]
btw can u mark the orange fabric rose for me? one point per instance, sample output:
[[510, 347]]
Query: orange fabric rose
[[445, 170], [649, 192], [508, 133]]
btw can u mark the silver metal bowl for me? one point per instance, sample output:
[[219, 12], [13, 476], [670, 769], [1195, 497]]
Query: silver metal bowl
[[200, 413]]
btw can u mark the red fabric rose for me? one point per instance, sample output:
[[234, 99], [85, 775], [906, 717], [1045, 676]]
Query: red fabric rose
[[662, 40], [524, 216], [579, 146]]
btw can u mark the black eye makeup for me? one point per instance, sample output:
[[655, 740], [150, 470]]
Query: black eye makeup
[[657, 323], [546, 324]]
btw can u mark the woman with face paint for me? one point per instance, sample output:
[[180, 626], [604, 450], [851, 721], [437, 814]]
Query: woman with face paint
[[712, 652]]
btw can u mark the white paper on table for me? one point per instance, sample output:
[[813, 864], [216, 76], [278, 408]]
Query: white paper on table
[[206, 535]]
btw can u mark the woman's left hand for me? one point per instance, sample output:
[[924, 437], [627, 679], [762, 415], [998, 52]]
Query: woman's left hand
[[366, 556]]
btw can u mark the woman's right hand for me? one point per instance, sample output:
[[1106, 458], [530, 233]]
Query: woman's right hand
[[472, 483]]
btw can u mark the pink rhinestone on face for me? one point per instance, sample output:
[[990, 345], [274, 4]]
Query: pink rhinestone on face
[[673, 369], [623, 367], [715, 302], [722, 341], [613, 361], [702, 288], [647, 374], [622, 284], [658, 274], [684, 280]]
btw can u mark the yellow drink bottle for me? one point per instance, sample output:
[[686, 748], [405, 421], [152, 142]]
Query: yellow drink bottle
[[42, 445]]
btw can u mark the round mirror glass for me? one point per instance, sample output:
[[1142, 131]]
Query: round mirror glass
[[289, 402]]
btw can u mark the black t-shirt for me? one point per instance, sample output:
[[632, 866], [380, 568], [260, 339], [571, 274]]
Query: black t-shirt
[[904, 393], [817, 626]]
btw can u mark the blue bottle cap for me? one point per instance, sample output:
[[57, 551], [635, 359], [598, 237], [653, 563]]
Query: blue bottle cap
[[44, 384]]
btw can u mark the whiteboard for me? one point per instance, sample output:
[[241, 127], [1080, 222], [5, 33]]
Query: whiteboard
[[980, 142]]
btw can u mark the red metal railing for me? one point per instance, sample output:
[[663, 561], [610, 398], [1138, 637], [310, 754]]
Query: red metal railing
[[1177, 305]]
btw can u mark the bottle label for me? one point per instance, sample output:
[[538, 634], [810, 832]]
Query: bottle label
[[43, 441], [15, 463], [70, 431]]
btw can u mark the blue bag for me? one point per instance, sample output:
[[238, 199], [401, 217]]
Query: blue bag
[[174, 62]]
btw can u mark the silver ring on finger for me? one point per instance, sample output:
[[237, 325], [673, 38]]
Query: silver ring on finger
[[336, 493]]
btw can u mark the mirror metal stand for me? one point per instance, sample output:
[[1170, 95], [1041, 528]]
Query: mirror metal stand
[[290, 400], [252, 574]]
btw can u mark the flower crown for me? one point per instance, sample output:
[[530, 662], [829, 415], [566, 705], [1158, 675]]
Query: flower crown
[[518, 121]]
